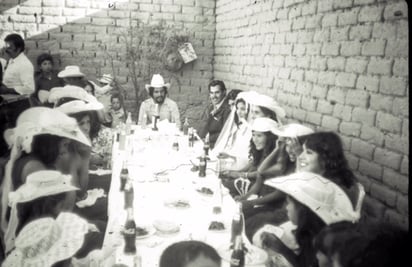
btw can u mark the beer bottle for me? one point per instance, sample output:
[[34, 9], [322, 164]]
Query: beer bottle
[[202, 166], [130, 233], [238, 255], [237, 223], [155, 118], [128, 194], [186, 126], [124, 176]]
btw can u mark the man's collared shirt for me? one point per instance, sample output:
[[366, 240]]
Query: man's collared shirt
[[168, 110], [19, 75]]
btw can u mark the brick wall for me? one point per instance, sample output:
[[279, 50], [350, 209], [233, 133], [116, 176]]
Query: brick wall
[[339, 65], [72, 30]]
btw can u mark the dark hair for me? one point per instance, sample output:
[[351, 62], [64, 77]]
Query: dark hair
[[329, 147], [236, 118], [233, 94], [181, 253], [64, 100], [258, 155], [116, 96], [91, 85], [75, 81], [219, 83], [17, 40], [308, 226], [269, 113], [94, 122], [46, 148], [151, 90], [37, 208], [44, 57]]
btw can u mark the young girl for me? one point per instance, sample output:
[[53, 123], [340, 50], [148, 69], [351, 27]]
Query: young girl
[[312, 203]]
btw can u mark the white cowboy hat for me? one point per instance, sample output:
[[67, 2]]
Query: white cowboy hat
[[76, 106], [40, 184], [323, 197], [267, 102], [264, 125], [41, 120], [70, 71], [157, 81], [71, 91], [293, 130], [46, 241], [106, 78]]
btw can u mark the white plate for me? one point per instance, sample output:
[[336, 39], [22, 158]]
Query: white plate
[[165, 227], [254, 256], [150, 231], [177, 203]]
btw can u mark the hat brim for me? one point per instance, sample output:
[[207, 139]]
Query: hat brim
[[167, 85], [267, 102], [72, 91], [77, 106], [288, 130], [69, 74]]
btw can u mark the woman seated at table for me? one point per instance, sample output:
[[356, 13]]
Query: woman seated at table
[[190, 254], [312, 203], [43, 139], [260, 211]]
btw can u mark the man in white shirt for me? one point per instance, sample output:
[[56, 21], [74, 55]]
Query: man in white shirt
[[18, 75]]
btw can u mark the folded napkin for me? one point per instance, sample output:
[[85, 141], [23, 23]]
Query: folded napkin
[[92, 196]]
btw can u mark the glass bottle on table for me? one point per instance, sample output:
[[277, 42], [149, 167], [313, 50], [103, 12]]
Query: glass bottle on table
[[144, 120], [186, 126], [128, 195], [206, 144], [237, 223], [191, 137], [129, 123], [202, 165], [124, 176], [122, 138], [155, 118], [130, 233], [237, 258]]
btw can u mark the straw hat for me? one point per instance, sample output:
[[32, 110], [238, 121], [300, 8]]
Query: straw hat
[[157, 81], [267, 102], [72, 91], [323, 197], [41, 120], [46, 241], [293, 130], [40, 184], [106, 78], [77, 106], [70, 71], [264, 125]]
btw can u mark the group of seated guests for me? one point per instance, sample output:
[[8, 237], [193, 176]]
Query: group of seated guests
[[301, 203]]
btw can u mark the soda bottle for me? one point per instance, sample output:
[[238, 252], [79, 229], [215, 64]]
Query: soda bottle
[[128, 194], [124, 176], [237, 223], [191, 137], [202, 166], [238, 255], [144, 120], [186, 126], [122, 138], [155, 118], [206, 144], [175, 145], [130, 233], [128, 123]]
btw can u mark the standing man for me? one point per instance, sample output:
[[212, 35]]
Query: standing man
[[217, 112], [18, 77], [158, 103]]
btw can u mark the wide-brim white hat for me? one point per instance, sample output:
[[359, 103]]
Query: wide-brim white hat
[[40, 184], [264, 125], [293, 130], [70, 71], [322, 196], [157, 81], [76, 106], [46, 241], [267, 102], [41, 120], [106, 78], [71, 91], [248, 96]]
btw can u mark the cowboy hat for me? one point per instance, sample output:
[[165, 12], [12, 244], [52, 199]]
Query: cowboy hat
[[71, 91], [267, 102], [106, 78], [41, 120], [45, 241], [40, 184], [325, 198], [70, 71], [157, 81], [293, 130], [264, 125], [76, 106]]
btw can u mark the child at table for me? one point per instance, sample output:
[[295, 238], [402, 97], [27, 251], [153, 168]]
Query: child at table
[[189, 254], [116, 110]]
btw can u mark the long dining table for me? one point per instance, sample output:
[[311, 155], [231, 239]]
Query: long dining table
[[163, 176]]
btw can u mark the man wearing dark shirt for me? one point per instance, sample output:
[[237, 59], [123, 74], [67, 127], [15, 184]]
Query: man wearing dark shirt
[[216, 113], [46, 78]]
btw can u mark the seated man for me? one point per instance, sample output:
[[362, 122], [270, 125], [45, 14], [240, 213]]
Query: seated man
[[216, 114], [46, 78], [18, 74], [167, 108]]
